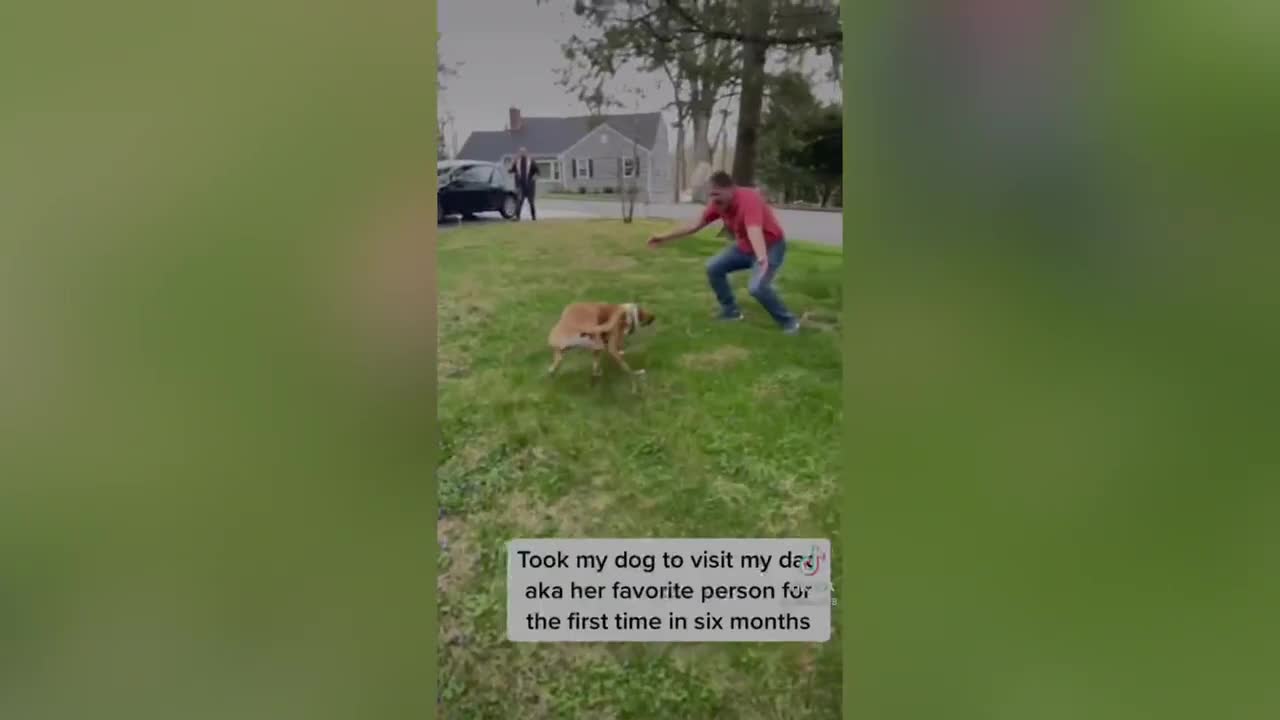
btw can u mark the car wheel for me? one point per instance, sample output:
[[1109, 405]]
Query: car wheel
[[508, 208]]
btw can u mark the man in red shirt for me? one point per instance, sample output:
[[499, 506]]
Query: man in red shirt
[[760, 245]]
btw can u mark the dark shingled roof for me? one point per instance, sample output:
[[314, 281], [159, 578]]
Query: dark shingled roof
[[552, 136]]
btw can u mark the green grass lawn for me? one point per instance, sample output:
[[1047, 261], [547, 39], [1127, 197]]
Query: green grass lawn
[[734, 434]]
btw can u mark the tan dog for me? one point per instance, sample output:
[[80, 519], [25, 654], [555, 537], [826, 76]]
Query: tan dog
[[599, 327]]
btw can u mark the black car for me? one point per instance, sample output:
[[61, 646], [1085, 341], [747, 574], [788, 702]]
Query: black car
[[468, 187]]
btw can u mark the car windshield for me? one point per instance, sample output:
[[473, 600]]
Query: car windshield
[[456, 171]]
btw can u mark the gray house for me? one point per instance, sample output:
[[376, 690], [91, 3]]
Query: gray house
[[584, 154]]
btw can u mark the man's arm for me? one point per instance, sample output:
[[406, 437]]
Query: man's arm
[[680, 232], [708, 216]]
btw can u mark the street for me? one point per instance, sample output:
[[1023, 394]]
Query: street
[[825, 228]]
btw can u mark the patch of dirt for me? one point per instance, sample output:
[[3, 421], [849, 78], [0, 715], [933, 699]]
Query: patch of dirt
[[732, 493], [472, 293], [471, 455], [459, 315], [525, 513], [576, 513], [449, 367], [774, 385], [823, 322], [807, 662], [452, 537], [722, 356], [570, 516]]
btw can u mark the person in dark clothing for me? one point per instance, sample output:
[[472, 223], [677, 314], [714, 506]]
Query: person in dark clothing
[[525, 172]]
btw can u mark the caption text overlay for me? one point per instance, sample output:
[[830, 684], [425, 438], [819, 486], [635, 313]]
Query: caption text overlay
[[648, 590]]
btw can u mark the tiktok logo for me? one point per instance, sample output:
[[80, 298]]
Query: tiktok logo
[[813, 561]]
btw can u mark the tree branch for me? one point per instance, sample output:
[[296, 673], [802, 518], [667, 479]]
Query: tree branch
[[696, 27]]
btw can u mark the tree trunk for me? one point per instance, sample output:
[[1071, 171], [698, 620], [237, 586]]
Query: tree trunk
[[751, 99], [719, 151], [701, 135], [678, 172], [622, 194], [701, 161], [442, 150], [826, 194]]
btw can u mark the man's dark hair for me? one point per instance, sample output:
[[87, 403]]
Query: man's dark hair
[[721, 179]]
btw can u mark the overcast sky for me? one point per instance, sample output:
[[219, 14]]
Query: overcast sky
[[508, 52]]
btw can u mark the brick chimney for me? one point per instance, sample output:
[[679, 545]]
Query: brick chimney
[[516, 122]]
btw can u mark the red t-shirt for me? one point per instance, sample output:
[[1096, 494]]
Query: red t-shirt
[[748, 209]]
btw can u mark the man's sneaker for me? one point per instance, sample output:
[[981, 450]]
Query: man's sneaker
[[729, 315], [792, 328]]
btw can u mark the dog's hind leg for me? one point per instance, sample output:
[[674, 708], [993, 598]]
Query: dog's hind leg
[[555, 362], [596, 370]]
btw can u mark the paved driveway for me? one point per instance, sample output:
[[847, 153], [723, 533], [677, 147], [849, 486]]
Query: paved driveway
[[825, 228]]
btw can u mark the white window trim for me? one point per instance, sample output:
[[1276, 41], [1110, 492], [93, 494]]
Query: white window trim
[[582, 167], [553, 168], [635, 165]]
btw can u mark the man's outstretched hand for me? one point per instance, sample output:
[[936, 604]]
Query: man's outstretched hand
[[655, 241]]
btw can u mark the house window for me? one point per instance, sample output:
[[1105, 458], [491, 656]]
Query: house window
[[548, 169], [628, 167], [582, 167]]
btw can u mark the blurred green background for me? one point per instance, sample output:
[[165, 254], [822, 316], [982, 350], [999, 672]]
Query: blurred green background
[[216, 337], [1062, 496]]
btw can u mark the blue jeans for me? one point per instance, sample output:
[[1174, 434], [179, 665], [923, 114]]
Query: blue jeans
[[732, 259]]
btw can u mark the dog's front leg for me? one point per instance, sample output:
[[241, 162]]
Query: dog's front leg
[[616, 354], [635, 374]]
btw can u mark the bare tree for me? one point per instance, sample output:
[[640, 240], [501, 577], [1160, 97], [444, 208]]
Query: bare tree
[[756, 27], [444, 120], [643, 34], [629, 188]]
